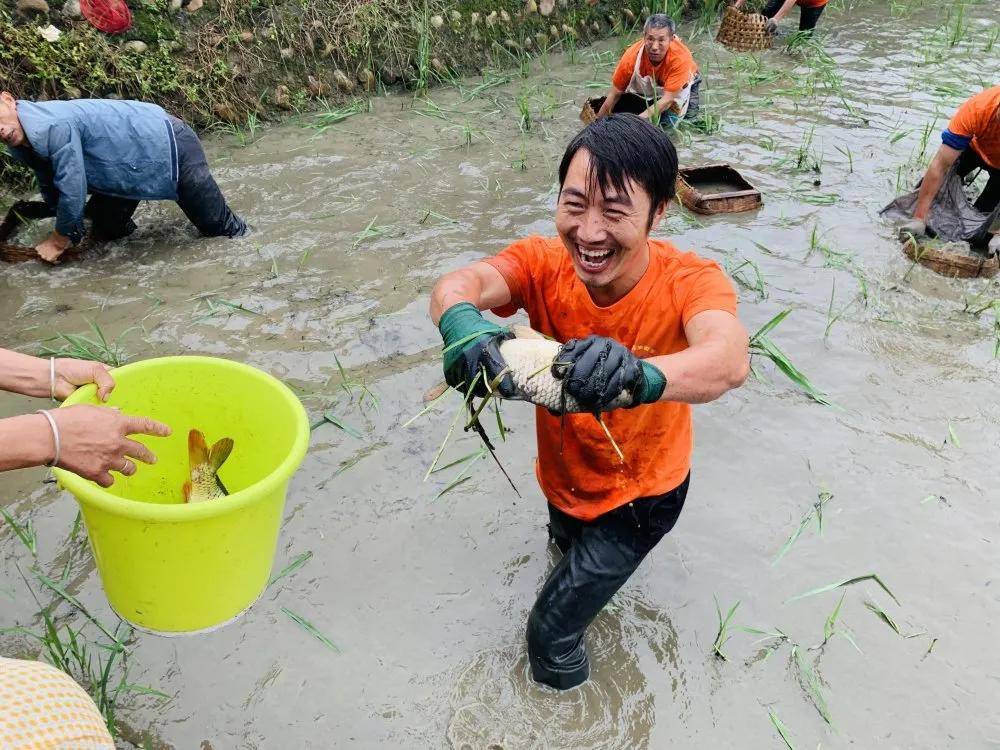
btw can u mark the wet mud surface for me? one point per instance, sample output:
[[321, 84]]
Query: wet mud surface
[[427, 598]]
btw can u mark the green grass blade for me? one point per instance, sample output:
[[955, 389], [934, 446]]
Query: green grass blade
[[782, 731], [846, 582], [294, 565], [310, 629]]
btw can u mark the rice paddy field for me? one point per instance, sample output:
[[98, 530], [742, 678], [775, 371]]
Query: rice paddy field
[[832, 581]]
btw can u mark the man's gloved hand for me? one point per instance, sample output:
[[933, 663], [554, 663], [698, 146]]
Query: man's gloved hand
[[467, 354], [915, 227], [771, 27], [994, 245], [599, 369]]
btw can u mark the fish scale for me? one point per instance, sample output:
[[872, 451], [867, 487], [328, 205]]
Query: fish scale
[[530, 360]]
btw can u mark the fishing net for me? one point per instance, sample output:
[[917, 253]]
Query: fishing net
[[952, 217], [109, 16]]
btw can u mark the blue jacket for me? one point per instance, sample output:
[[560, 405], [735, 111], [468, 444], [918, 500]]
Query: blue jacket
[[119, 148]]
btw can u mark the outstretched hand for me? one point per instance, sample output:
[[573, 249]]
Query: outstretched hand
[[95, 441]]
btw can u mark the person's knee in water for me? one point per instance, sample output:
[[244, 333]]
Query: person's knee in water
[[154, 157], [616, 179]]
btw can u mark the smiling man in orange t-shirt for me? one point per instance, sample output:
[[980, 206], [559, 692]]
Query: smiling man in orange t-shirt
[[638, 315], [809, 11]]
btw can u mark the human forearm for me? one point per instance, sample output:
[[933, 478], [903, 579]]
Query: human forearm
[[25, 441], [479, 284], [662, 104], [453, 288], [702, 373], [929, 189], [783, 10], [609, 102], [21, 373]]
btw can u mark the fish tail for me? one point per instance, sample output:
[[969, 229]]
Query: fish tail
[[197, 448], [219, 453]]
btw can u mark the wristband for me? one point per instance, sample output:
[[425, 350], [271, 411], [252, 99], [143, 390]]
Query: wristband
[[52, 379], [55, 436]]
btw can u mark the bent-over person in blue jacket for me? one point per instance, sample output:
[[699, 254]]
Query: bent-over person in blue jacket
[[118, 152]]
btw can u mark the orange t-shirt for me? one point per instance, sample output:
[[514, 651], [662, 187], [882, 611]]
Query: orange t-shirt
[[811, 3], [577, 467], [675, 72], [979, 119]]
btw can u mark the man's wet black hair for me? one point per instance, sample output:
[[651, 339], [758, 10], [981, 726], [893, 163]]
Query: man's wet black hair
[[625, 147]]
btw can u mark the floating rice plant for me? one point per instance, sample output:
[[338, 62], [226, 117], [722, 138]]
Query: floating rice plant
[[212, 305], [311, 629], [761, 345], [811, 683], [781, 729], [78, 346], [324, 120], [952, 437], [846, 151], [330, 418], [294, 565], [846, 582], [371, 232], [815, 512], [25, 532], [831, 316], [956, 23], [723, 634], [991, 40], [748, 275]]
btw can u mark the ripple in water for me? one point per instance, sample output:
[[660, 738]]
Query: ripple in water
[[497, 706]]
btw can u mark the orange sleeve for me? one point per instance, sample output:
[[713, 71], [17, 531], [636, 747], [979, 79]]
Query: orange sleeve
[[967, 119], [681, 69], [705, 288], [626, 66], [518, 263]]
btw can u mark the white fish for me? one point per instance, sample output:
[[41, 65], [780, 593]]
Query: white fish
[[529, 357]]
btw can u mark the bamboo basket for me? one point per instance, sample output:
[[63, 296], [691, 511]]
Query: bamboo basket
[[744, 32], [589, 112], [954, 260], [693, 193]]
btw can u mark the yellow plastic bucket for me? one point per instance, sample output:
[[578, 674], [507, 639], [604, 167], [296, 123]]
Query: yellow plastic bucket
[[168, 566]]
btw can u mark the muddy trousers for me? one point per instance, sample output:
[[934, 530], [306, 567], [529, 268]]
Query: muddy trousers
[[198, 195], [989, 199], [808, 17], [598, 557]]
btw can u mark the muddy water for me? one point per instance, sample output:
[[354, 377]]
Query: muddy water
[[427, 598]]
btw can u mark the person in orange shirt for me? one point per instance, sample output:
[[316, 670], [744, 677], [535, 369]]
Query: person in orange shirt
[[637, 315], [809, 12], [660, 69], [970, 142]]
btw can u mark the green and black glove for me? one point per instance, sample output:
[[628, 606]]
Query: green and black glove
[[468, 355], [599, 369]]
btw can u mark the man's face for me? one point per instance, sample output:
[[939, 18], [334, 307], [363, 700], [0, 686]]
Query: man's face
[[605, 234], [656, 43], [11, 131]]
